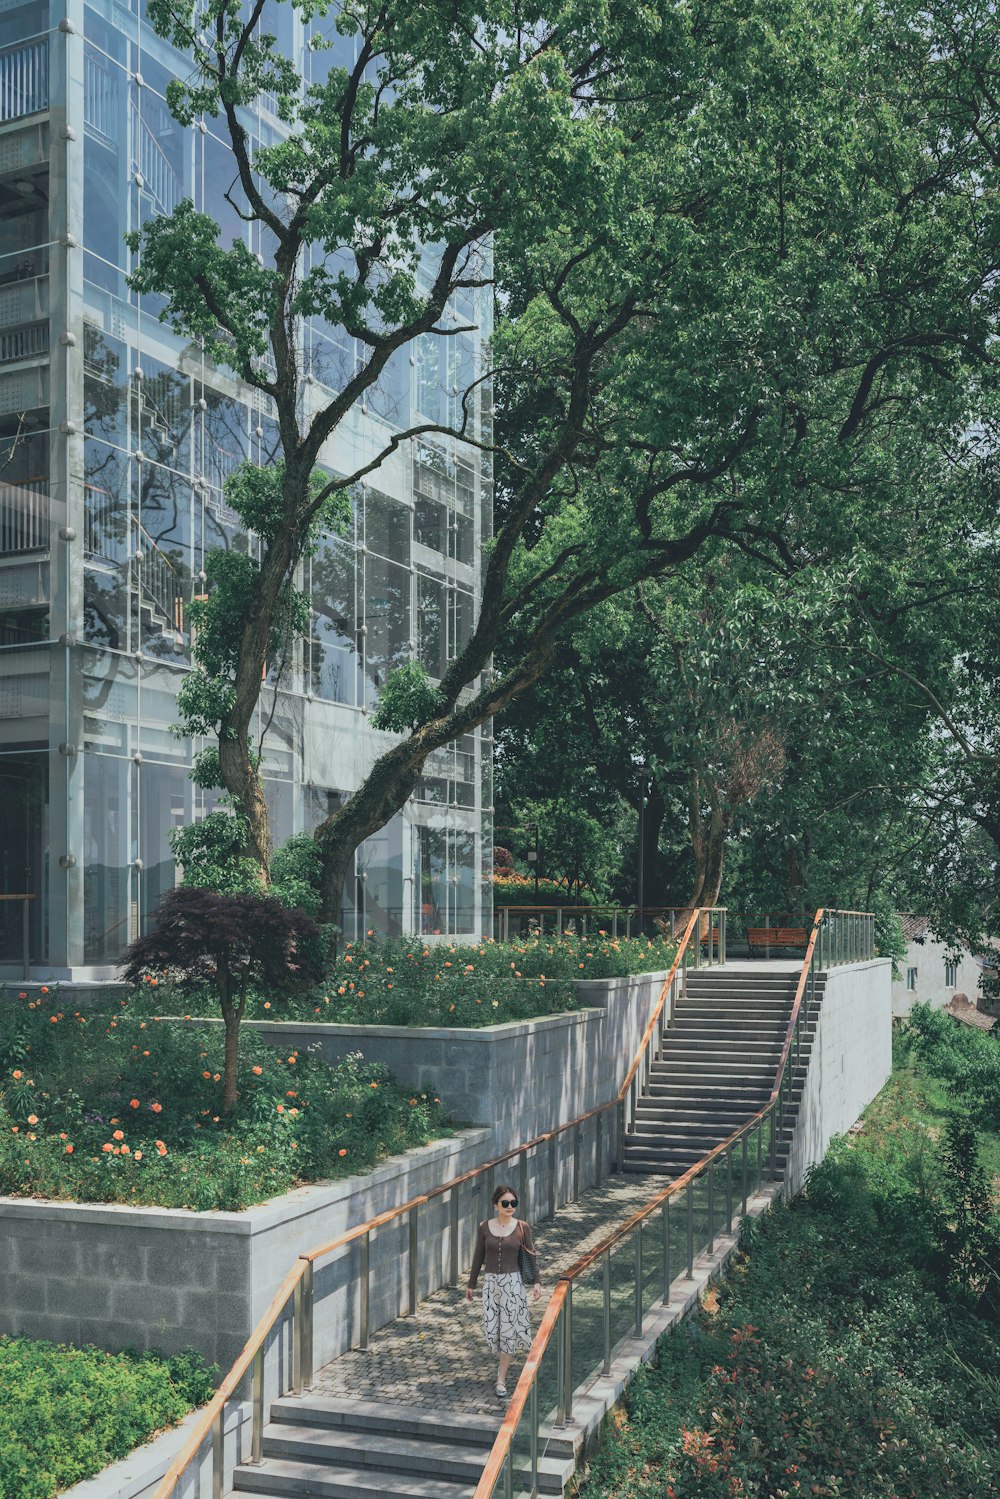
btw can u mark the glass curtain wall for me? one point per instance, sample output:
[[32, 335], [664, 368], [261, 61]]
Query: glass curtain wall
[[112, 494]]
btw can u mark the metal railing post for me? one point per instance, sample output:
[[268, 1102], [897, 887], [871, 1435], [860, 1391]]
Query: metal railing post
[[746, 1153], [637, 1271], [666, 1252], [218, 1453], [771, 1163], [599, 1150], [453, 1234], [729, 1190], [576, 1163], [690, 1229], [257, 1430], [364, 1290], [606, 1286], [568, 1351], [760, 1153], [711, 1208], [26, 937], [723, 937], [308, 1326], [533, 1419], [297, 1339], [411, 1264], [508, 1475], [620, 1149], [552, 1175]]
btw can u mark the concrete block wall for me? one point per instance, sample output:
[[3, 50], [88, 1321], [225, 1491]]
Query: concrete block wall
[[850, 1062]]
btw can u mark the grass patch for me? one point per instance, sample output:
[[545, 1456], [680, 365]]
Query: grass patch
[[69, 1412], [846, 1356], [121, 1108]]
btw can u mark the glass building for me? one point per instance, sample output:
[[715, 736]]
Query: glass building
[[116, 437]]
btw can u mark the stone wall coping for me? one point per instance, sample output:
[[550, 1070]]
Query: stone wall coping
[[263, 1216], [657, 976], [507, 1029]]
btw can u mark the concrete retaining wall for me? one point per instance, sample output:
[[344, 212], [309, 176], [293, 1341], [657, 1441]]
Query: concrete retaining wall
[[850, 1062]]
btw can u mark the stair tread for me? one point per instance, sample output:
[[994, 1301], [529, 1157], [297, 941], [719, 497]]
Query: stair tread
[[340, 1413], [279, 1477]]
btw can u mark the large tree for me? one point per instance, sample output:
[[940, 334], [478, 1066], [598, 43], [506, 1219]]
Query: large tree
[[732, 244]]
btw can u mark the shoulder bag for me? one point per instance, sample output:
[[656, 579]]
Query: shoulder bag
[[527, 1269]]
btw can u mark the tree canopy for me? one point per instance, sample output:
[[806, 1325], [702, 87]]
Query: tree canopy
[[743, 261]]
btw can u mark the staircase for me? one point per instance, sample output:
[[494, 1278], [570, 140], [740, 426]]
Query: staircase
[[717, 1068], [357, 1449]]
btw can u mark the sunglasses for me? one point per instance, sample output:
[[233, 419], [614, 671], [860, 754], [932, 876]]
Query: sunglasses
[[507, 1202]]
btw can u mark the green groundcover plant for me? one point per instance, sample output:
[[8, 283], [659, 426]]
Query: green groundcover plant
[[68, 1412], [404, 981], [841, 1357], [127, 1108]]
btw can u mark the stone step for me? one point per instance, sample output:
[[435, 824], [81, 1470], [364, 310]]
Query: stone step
[[326, 1447], [728, 1025], [373, 1415], [284, 1479]]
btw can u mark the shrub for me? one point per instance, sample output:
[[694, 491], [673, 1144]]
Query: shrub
[[125, 1109], [71, 1411], [228, 943]]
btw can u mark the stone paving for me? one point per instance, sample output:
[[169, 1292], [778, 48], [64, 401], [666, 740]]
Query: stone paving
[[437, 1360]]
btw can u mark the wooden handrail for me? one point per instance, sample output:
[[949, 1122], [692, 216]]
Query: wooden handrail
[[217, 1403], [501, 1445], [658, 1011], [502, 1441]]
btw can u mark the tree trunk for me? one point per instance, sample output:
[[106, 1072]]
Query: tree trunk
[[231, 1021]]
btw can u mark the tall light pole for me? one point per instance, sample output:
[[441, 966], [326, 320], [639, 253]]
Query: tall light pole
[[642, 846]]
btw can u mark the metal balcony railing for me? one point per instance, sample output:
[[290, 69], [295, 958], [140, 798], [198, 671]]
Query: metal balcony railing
[[24, 517], [24, 79], [26, 342]]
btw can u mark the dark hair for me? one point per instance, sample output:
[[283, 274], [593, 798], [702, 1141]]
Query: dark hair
[[499, 1192]]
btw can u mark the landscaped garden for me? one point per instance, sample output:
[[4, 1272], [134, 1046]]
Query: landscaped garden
[[126, 1108], [77, 1409], [404, 981], [852, 1350]]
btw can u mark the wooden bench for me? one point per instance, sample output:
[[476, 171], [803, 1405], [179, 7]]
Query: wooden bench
[[776, 936]]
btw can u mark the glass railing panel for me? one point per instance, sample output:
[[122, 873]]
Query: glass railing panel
[[522, 1446], [699, 1189], [677, 1228], [547, 1382], [652, 1260], [587, 1351], [623, 1289]]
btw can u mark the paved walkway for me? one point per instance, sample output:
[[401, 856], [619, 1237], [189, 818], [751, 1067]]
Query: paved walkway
[[437, 1360]]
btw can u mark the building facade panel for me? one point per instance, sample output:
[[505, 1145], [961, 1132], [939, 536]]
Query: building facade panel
[[116, 441]]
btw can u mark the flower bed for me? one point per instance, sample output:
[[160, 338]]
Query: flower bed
[[71, 1411], [404, 982], [122, 1108]]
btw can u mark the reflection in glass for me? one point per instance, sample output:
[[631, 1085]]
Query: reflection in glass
[[107, 854], [387, 619], [24, 832], [334, 661]]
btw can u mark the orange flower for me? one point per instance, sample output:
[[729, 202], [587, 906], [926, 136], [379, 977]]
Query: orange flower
[[133, 1103], [107, 1148], [161, 1147], [69, 1150], [292, 1059], [373, 1085], [54, 1020], [257, 1071], [45, 988], [157, 1108], [118, 1135], [32, 1118], [138, 1155], [125, 1150], [17, 1073], [63, 1135], [341, 1151], [267, 1004], [206, 1074], [281, 1108]]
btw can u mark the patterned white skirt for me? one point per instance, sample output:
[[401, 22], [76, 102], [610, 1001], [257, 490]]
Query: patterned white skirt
[[506, 1326]]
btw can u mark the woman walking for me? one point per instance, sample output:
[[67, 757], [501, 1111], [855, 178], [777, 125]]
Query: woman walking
[[505, 1302]]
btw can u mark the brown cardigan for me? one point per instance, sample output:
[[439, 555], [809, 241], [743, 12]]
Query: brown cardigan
[[498, 1255]]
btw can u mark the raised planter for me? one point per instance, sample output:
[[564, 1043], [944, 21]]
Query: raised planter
[[518, 1079]]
